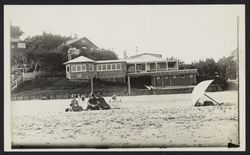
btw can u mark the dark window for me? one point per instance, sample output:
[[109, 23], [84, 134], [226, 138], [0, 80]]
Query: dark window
[[113, 67], [99, 67], [78, 68], [108, 66], [104, 67], [118, 66], [140, 67], [73, 68], [152, 66], [162, 66]]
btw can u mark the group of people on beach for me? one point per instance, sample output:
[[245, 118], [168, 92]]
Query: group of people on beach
[[95, 102]]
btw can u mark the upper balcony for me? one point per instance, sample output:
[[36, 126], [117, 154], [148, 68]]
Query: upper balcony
[[149, 67]]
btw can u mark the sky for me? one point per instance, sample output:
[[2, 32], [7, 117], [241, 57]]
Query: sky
[[186, 32]]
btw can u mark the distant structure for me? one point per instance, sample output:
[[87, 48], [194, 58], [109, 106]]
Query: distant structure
[[17, 49], [79, 43], [76, 45], [143, 69]]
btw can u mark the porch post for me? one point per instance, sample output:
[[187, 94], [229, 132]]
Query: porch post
[[162, 82], [156, 67], [129, 91], [170, 82], [167, 64], [154, 81], [92, 85]]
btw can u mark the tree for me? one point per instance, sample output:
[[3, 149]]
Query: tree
[[15, 31], [228, 67], [207, 68], [42, 51]]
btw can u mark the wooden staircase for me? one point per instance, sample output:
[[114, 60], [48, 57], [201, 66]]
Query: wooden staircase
[[16, 82]]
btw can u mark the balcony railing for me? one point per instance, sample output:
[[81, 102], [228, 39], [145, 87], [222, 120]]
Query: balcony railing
[[152, 70], [163, 72]]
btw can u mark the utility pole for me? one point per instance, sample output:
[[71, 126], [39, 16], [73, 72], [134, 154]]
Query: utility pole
[[237, 51]]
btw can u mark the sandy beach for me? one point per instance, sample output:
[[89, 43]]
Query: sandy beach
[[141, 121]]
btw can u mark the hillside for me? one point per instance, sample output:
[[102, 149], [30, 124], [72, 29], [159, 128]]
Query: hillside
[[59, 85]]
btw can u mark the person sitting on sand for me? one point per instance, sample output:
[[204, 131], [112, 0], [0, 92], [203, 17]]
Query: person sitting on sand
[[75, 105], [114, 102], [101, 103], [83, 98], [92, 102], [74, 102]]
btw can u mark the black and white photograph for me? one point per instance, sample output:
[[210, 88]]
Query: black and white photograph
[[124, 77]]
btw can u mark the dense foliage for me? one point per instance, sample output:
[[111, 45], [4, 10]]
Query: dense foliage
[[226, 68], [15, 31], [44, 53]]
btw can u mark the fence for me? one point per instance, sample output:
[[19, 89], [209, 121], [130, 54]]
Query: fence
[[67, 95], [28, 76]]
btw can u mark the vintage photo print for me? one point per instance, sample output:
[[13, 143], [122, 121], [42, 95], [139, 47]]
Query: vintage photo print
[[124, 77]]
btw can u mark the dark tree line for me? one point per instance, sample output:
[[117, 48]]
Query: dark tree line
[[42, 52], [224, 68]]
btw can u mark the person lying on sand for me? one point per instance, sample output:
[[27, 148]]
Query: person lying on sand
[[205, 103]]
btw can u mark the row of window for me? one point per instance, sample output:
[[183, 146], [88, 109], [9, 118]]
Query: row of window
[[150, 66], [81, 68], [174, 77], [100, 67], [108, 67]]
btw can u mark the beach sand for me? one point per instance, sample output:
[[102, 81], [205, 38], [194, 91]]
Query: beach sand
[[142, 121]]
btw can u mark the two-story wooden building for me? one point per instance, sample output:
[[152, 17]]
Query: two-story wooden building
[[142, 69]]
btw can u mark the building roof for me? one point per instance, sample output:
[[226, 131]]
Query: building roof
[[14, 40], [145, 58], [86, 41], [79, 60], [110, 61], [146, 54]]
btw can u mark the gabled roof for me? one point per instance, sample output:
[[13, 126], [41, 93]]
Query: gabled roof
[[146, 54], [87, 42], [79, 60]]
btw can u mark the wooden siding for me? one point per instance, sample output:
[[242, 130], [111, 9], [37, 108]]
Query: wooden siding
[[112, 73], [174, 80], [82, 74]]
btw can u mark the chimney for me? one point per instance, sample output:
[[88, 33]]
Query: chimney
[[69, 55], [125, 55]]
